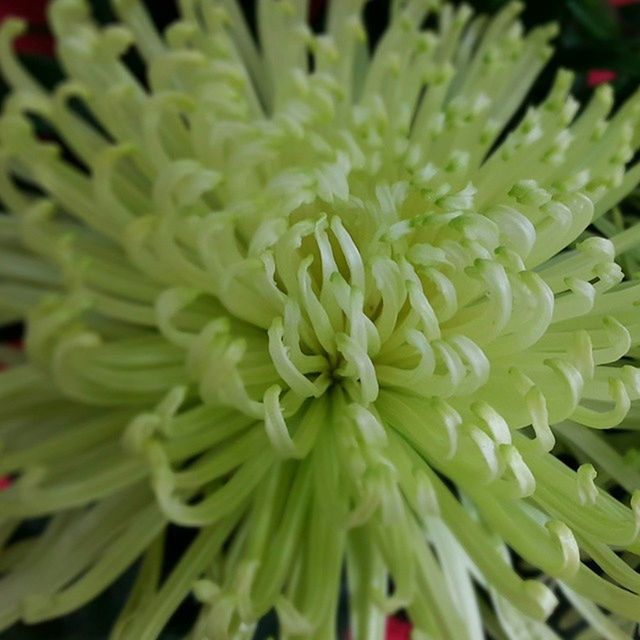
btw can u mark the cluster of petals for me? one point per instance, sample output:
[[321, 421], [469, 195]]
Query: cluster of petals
[[341, 311]]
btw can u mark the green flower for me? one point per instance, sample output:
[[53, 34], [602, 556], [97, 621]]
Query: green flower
[[323, 306]]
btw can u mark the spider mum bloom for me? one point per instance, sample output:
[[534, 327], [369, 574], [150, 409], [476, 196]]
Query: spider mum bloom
[[315, 303]]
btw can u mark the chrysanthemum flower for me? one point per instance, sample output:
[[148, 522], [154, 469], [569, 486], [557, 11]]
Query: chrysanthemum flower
[[316, 303]]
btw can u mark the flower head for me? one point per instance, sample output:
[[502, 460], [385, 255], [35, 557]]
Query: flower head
[[327, 307]]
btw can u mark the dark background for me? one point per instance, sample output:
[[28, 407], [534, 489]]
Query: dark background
[[594, 36]]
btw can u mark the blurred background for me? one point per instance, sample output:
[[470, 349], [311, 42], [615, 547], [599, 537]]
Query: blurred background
[[599, 39]]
